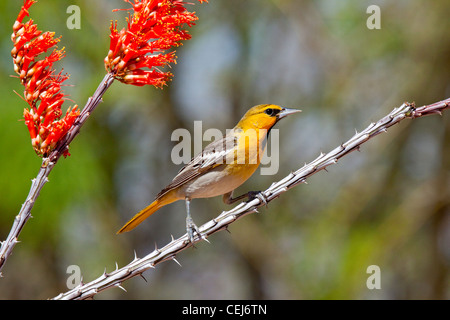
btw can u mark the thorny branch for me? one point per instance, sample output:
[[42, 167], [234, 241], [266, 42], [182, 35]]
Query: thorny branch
[[47, 165], [168, 252]]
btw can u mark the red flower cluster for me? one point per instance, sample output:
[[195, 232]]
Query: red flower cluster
[[42, 84], [154, 26]]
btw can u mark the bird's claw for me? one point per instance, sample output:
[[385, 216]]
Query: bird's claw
[[257, 194]]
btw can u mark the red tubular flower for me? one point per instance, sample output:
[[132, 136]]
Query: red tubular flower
[[42, 84], [154, 26]]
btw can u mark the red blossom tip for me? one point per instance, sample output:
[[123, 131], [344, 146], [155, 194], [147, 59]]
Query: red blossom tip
[[154, 27]]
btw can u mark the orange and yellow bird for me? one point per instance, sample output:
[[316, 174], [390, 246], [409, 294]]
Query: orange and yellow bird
[[221, 167]]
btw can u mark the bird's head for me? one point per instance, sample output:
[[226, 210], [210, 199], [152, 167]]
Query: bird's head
[[264, 116]]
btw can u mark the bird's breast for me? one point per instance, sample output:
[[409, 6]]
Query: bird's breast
[[217, 181]]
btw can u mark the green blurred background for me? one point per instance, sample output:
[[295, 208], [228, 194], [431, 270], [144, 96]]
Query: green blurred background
[[387, 205]]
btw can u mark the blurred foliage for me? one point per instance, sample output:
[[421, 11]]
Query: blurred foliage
[[387, 205]]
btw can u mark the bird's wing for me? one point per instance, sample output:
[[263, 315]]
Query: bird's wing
[[212, 156]]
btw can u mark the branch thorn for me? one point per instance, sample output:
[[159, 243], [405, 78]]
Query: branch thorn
[[173, 258], [142, 276], [119, 286]]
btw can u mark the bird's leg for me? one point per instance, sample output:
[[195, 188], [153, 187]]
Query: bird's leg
[[228, 197], [191, 227]]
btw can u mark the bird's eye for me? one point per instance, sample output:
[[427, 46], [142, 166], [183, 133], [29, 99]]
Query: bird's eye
[[269, 112]]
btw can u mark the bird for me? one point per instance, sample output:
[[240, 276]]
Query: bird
[[220, 168]]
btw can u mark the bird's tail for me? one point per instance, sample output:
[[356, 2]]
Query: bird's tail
[[147, 212]]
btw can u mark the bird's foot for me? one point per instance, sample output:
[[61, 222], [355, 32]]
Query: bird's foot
[[257, 194], [191, 229]]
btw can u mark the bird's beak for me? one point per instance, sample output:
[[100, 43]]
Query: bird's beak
[[286, 112]]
